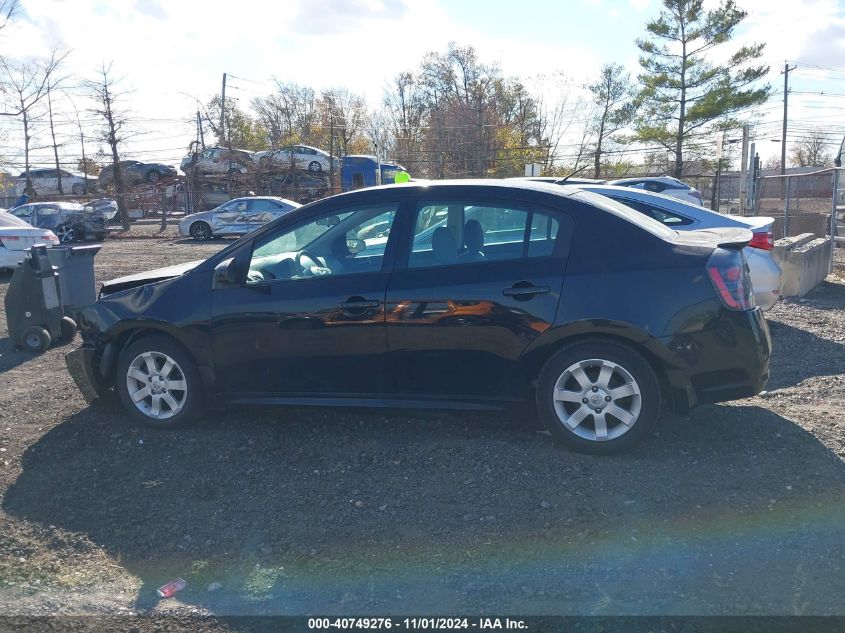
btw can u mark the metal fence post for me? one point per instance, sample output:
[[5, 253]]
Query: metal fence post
[[833, 218], [786, 209]]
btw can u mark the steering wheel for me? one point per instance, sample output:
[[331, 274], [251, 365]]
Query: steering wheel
[[309, 255]]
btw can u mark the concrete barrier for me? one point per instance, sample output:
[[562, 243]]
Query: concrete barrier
[[804, 261]]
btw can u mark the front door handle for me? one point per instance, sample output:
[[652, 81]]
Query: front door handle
[[527, 290], [358, 303]]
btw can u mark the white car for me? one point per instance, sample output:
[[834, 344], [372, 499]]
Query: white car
[[219, 161], [45, 182], [666, 185], [296, 156], [236, 217], [683, 216], [16, 236]]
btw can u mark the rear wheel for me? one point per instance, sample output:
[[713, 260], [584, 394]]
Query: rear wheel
[[158, 383], [598, 397], [200, 231], [153, 176], [315, 166], [77, 190], [68, 327]]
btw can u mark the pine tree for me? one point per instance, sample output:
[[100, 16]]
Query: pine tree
[[685, 93]]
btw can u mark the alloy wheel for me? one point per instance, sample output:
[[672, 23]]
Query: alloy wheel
[[597, 400], [156, 385], [65, 234], [200, 231]]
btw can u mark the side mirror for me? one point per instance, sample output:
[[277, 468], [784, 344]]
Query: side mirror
[[225, 273]]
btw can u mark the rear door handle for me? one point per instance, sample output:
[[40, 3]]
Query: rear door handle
[[357, 303], [525, 291]]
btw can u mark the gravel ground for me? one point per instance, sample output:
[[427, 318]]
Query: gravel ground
[[737, 508]]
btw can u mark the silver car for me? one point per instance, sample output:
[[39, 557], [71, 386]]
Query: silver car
[[236, 217], [684, 216], [298, 156], [666, 185]]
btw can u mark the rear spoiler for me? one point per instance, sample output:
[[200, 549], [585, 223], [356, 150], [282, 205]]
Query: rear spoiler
[[726, 237]]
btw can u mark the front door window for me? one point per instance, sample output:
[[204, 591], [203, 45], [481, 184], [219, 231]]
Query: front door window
[[340, 243]]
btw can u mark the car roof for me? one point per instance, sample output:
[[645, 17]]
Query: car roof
[[663, 179], [642, 194], [565, 191], [276, 198]]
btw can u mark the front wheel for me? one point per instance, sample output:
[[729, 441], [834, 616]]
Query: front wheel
[[598, 397], [200, 231], [65, 233], [158, 383], [36, 339], [77, 190], [153, 176], [315, 166]]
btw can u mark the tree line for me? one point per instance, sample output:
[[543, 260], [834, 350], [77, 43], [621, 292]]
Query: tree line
[[456, 116]]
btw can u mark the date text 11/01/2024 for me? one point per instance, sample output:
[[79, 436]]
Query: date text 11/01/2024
[[417, 623]]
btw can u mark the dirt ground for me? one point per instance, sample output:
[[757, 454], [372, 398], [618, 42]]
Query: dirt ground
[[737, 508]]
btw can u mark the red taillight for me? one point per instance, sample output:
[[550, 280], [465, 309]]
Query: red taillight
[[729, 274], [764, 241]]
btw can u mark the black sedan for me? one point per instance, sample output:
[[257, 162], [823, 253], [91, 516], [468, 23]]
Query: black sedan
[[465, 294], [135, 172]]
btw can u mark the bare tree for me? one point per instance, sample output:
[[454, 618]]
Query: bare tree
[[812, 150], [28, 81], [105, 93], [51, 87], [8, 8], [86, 165], [613, 96]]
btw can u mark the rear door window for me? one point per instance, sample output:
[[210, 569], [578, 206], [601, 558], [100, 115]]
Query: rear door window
[[448, 233]]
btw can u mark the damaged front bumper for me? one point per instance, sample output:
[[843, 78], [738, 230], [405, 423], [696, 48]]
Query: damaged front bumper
[[80, 366]]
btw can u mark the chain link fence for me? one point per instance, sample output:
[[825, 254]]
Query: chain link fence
[[801, 202]]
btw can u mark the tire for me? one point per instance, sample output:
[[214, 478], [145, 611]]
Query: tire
[[606, 367], [152, 176], [36, 339], [175, 383], [77, 190], [315, 166], [100, 236], [66, 234], [68, 327], [200, 231]]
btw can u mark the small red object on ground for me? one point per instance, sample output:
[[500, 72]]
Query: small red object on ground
[[172, 587]]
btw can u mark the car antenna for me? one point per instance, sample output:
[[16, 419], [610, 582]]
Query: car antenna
[[565, 178]]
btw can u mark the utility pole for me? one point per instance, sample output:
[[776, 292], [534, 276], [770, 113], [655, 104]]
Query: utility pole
[[331, 151], [201, 139], [84, 162], [743, 169], [785, 73], [223, 111]]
